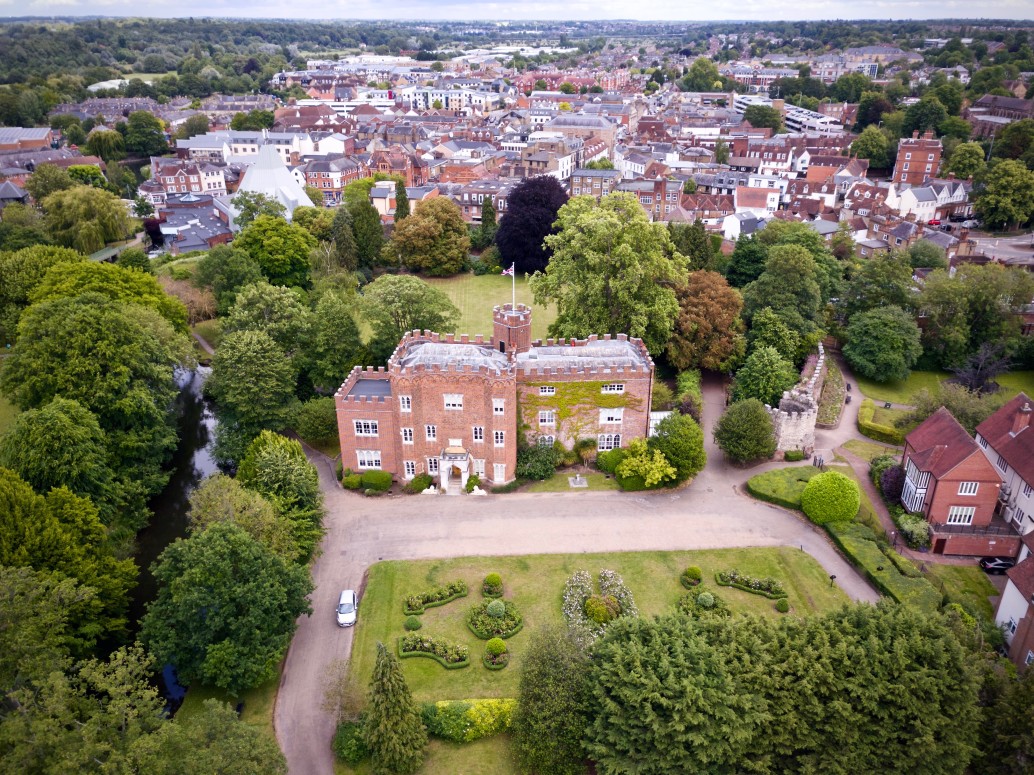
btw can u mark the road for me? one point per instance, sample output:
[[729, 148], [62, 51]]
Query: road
[[710, 513], [1007, 249]]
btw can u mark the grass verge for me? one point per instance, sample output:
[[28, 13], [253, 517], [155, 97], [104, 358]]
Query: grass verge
[[487, 755], [475, 295], [867, 450], [965, 584], [535, 583], [901, 391], [559, 483], [258, 704]]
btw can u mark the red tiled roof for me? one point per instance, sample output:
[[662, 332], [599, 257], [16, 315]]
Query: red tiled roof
[[940, 444], [1018, 449], [1022, 575]]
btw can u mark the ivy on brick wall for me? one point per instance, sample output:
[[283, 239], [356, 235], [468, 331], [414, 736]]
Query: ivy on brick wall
[[576, 405]]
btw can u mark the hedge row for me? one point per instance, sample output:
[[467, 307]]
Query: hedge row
[[720, 581], [451, 657], [875, 431], [463, 721], [416, 604], [859, 544], [783, 486]]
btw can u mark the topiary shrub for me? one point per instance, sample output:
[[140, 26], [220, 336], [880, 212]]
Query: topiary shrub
[[496, 609], [703, 603], [418, 484], [830, 497], [352, 481], [705, 600], [348, 743], [412, 623], [495, 646], [472, 481], [492, 586], [691, 576], [892, 482], [782, 605], [378, 481], [602, 608]]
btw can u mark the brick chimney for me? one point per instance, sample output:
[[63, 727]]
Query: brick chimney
[[1021, 420]]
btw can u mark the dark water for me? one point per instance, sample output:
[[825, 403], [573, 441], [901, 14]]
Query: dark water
[[191, 463]]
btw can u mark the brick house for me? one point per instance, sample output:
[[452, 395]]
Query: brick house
[[1007, 440], [950, 481], [1015, 614], [452, 406], [918, 159]]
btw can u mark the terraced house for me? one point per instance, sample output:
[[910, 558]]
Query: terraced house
[[452, 406]]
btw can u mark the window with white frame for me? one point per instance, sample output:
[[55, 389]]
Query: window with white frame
[[500, 438], [606, 441], [1027, 490], [611, 416], [365, 427], [547, 417], [479, 466], [432, 465], [613, 387], [546, 441], [410, 468], [968, 488], [498, 471], [479, 433], [454, 401], [1030, 659], [368, 458], [406, 403], [1002, 464], [431, 432], [407, 435], [498, 406], [547, 390], [961, 515], [1012, 626]]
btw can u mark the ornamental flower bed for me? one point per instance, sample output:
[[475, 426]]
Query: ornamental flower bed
[[449, 655], [769, 588], [416, 604], [579, 589], [482, 622]]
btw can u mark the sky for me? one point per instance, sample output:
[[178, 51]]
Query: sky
[[672, 10]]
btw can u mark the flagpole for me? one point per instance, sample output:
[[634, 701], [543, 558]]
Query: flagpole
[[513, 282]]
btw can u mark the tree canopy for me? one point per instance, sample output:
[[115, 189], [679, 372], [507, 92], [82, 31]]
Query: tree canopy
[[280, 249], [433, 240], [392, 728], [708, 332], [745, 432], [612, 272], [395, 304], [85, 218], [22, 271], [226, 608], [765, 375], [883, 344], [531, 209]]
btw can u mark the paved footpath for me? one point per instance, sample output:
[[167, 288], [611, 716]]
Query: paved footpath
[[710, 513]]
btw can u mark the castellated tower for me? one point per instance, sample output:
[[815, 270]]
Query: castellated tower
[[511, 329]]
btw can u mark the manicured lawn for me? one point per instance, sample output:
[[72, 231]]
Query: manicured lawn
[[867, 450], [488, 755], [782, 486], [901, 391], [476, 295], [559, 483], [535, 583], [258, 704], [889, 417], [964, 583], [8, 412], [209, 330]]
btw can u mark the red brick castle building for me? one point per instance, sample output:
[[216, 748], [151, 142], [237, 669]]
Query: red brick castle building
[[452, 406]]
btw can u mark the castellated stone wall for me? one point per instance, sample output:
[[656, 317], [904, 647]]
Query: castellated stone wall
[[794, 419]]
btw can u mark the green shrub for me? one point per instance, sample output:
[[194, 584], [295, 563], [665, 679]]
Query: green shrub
[[492, 586], [537, 461], [472, 481], [693, 573], [914, 529], [495, 647], [766, 587], [378, 481], [830, 497], [878, 465], [602, 608], [782, 605], [449, 655], [352, 481], [463, 721], [702, 603], [585, 449], [348, 744], [316, 421], [875, 431], [705, 600], [496, 609], [608, 462], [412, 623], [339, 471], [440, 595], [494, 580], [793, 455], [663, 398], [418, 484], [687, 383], [485, 625], [782, 486]]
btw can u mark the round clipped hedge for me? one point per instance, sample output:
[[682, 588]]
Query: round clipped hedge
[[782, 605], [412, 623], [830, 497]]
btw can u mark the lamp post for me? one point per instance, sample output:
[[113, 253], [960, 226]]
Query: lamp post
[[832, 578]]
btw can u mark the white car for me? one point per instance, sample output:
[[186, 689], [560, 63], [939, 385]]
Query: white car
[[347, 608]]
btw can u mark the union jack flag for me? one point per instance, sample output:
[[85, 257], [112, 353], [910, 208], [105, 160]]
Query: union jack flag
[[510, 270]]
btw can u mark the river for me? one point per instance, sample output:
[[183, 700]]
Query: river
[[191, 463]]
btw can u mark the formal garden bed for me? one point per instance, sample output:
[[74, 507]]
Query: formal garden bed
[[450, 655], [703, 602], [495, 619], [492, 586], [770, 588], [432, 598], [831, 399], [587, 611]]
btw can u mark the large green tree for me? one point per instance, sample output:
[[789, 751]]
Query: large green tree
[[434, 239], [46, 180], [251, 204], [767, 329], [107, 144], [612, 272], [22, 271], [547, 727], [225, 270], [280, 249], [708, 332], [765, 375], [226, 608], [873, 145], [693, 241], [763, 116], [745, 432], [336, 346], [396, 304], [367, 230], [276, 310], [883, 344], [789, 286], [145, 135], [679, 438], [880, 281], [1006, 199], [343, 237], [85, 218], [392, 728], [747, 262], [966, 161]]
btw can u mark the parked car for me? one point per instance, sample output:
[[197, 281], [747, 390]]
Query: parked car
[[934, 222], [971, 224], [997, 564], [347, 608]]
